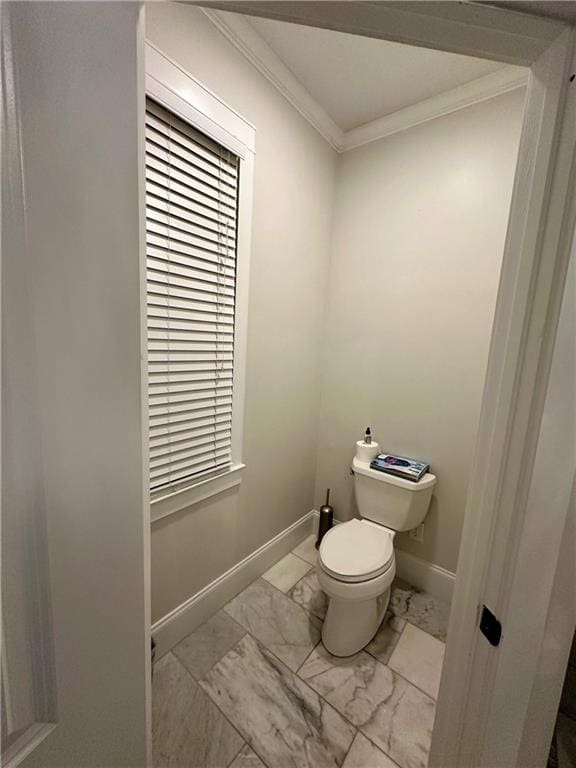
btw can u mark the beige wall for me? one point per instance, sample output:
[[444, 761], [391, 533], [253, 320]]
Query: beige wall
[[294, 181], [419, 224], [419, 227]]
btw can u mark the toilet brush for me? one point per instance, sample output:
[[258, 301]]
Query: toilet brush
[[326, 518]]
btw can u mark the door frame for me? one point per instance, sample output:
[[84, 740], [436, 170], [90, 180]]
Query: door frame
[[536, 255]]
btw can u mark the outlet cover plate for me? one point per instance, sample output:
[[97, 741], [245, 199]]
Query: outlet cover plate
[[418, 533]]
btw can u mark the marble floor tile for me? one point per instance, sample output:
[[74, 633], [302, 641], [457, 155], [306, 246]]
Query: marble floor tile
[[286, 572], [187, 729], [363, 754], [420, 609], [207, 644], [306, 550], [386, 638], [281, 717], [276, 621], [308, 594], [418, 658], [247, 758], [391, 712]]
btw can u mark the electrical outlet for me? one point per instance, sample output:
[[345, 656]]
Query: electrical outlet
[[418, 533]]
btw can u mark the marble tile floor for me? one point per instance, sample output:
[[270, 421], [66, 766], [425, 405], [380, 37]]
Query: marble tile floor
[[254, 687]]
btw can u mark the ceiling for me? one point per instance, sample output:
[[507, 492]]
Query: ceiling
[[563, 10], [357, 80]]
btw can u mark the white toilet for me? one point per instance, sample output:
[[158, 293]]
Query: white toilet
[[356, 561]]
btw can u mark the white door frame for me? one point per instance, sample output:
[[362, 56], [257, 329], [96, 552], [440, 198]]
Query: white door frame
[[540, 229]]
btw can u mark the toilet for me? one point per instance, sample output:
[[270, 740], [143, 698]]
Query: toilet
[[356, 563]]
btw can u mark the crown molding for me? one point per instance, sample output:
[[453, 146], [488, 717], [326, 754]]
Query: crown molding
[[473, 92], [258, 52], [245, 38]]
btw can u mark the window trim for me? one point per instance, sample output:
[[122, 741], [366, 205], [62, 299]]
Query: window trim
[[174, 88]]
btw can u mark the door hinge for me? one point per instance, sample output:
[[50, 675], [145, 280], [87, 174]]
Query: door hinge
[[490, 627]]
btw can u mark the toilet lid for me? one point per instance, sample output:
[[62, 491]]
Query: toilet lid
[[356, 551]]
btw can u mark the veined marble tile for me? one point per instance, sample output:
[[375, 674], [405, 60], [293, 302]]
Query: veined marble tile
[[420, 609], [383, 644], [281, 717], [207, 644], [276, 621], [308, 594], [394, 714], [306, 549], [247, 758], [418, 657], [187, 729], [286, 572], [363, 754]]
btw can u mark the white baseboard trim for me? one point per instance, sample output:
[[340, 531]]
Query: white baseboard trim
[[172, 628], [426, 576]]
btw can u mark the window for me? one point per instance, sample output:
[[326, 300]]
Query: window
[[191, 219], [199, 160]]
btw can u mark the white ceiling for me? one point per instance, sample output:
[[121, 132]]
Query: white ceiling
[[358, 79]]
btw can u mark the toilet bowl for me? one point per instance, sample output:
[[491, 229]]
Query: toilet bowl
[[356, 563], [355, 569]]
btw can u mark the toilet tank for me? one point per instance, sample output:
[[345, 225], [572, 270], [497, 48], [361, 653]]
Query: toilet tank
[[391, 501]]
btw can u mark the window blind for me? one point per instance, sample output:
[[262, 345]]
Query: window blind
[[191, 215]]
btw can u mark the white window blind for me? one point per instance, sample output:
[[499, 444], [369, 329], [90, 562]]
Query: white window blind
[[191, 215]]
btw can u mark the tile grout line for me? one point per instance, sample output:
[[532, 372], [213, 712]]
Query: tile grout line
[[210, 699], [296, 672], [405, 679], [312, 565], [350, 747], [258, 643], [379, 748]]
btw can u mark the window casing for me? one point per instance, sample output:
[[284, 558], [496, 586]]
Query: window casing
[[198, 194]]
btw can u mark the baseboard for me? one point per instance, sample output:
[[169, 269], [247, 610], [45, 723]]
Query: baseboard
[[172, 628], [426, 576]]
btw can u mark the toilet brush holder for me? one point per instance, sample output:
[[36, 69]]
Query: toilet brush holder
[[326, 519]]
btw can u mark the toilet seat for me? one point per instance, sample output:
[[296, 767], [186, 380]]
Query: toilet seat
[[357, 551]]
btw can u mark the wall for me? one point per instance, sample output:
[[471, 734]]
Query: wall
[[294, 176], [419, 226], [73, 472]]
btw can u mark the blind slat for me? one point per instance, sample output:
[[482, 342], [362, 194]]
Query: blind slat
[[177, 135], [196, 418], [198, 227], [205, 240], [197, 472], [198, 457], [188, 164], [171, 454], [180, 132]]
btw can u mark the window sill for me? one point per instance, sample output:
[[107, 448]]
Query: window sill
[[163, 506]]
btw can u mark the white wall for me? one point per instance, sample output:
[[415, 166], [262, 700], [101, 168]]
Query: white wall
[[294, 177], [73, 472], [419, 226]]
